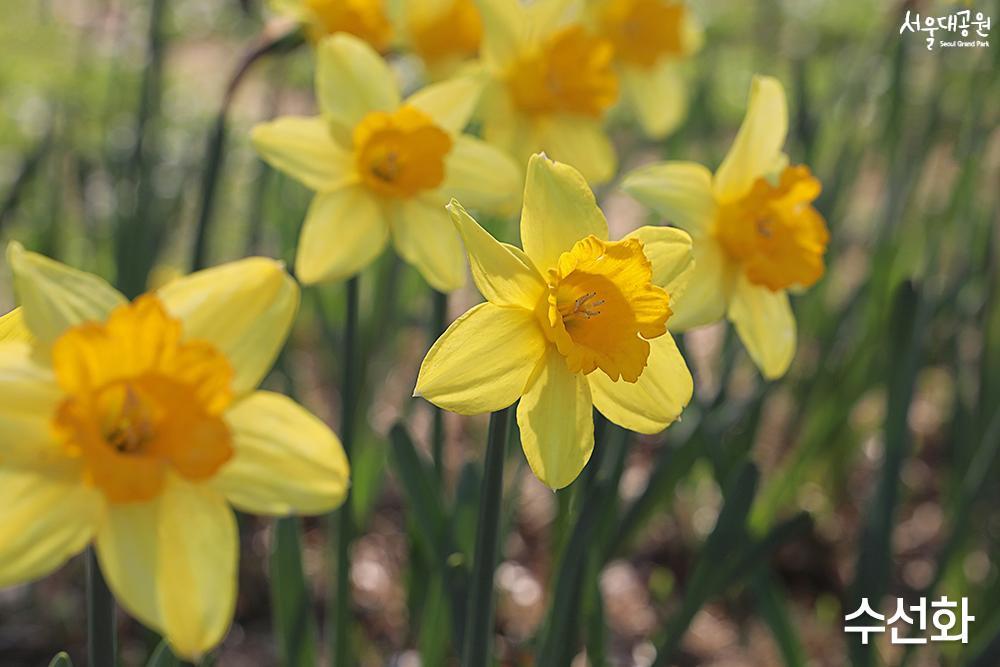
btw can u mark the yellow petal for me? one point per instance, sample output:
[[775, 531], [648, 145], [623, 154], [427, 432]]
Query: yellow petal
[[669, 251], [29, 397], [681, 192], [653, 402], [344, 232], [580, 142], [128, 547], [44, 520], [503, 274], [352, 79], [55, 297], [286, 460], [556, 420], [758, 143], [709, 287], [559, 210], [304, 149], [13, 328], [766, 325], [483, 361], [503, 24], [196, 567], [449, 103], [426, 238], [480, 176], [656, 95], [244, 308]]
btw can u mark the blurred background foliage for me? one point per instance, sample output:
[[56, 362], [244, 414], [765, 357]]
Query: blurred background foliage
[[743, 534]]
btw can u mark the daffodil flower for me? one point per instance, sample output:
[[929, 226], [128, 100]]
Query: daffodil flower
[[443, 33], [756, 234], [652, 39], [381, 166], [573, 322], [550, 84], [136, 426], [366, 19]]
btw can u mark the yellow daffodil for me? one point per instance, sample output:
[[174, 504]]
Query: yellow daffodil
[[572, 322], [384, 166], [444, 33], [550, 83], [756, 233], [134, 426], [652, 39], [366, 19]]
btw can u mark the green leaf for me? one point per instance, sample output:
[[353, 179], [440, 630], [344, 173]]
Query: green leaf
[[61, 660], [163, 656], [294, 623]]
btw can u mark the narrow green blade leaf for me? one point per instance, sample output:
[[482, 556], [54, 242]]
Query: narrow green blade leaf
[[61, 660], [163, 656], [294, 623]]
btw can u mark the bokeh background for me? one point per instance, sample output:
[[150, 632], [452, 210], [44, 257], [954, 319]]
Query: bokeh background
[[743, 534]]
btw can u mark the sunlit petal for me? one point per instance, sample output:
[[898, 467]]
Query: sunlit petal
[[766, 325], [709, 287], [352, 79], [304, 149], [426, 238], [681, 192]]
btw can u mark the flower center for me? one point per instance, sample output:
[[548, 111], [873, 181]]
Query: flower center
[[140, 402], [644, 30], [366, 19], [774, 232], [455, 32], [602, 308], [400, 154], [572, 72]]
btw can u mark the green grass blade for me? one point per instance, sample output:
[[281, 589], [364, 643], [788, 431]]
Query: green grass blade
[[771, 604], [294, 623], [163, 656], [479, 634], [875, 553], [61, 660]]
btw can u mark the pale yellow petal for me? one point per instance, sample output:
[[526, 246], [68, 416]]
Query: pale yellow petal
[[29, 398], [758, 143], [502, 273], [196, 567], [481, 176], [304, 149], [55, 297], [766, 325], [352, 80], [709, 288], [13, 328], [344, 231], [556, 420], [244, 308], [483, 361], [669, 251], [450, 103], [681, 192], [44, 520], [653, 402], [286, 460], [580, 142], [503, 26], [657, 95], [128, 548], [426, 238], [559, 210]]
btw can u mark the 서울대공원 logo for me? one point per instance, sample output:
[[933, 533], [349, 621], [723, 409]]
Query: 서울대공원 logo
[[964, 29]]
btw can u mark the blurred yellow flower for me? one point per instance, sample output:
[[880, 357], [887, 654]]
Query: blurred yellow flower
[[384, 166], [551, 82], [756, 233], [573, 322], [652, 39], [367, 19], [135, 426], [444, 33]]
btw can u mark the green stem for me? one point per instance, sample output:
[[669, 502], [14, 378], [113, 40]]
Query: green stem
[[344, 518], [479, 632], [101, 641], [438, 324]]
